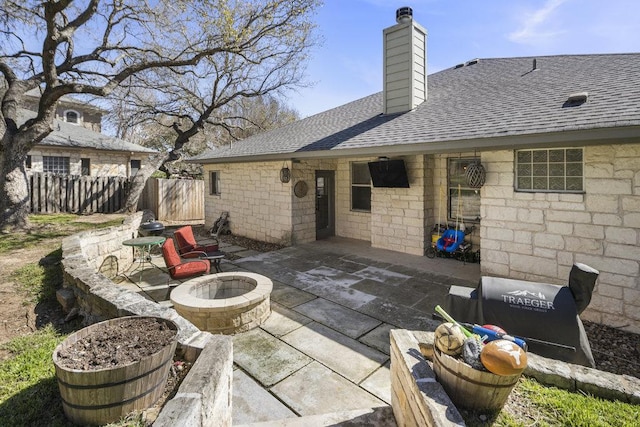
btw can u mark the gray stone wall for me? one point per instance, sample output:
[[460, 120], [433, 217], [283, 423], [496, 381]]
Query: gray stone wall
[[539, 236]]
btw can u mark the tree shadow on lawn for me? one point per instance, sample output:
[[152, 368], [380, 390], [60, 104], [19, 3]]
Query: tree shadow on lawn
[[38, 405]]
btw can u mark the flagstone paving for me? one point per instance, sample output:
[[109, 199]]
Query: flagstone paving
[[316, 389], [346, 356], [346, 321], [266, 358], [252, 403], [324, 351]]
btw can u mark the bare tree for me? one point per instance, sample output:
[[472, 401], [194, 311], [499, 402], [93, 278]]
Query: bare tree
[[132, 119], [192, 57]]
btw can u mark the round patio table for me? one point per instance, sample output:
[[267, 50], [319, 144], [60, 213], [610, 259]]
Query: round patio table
[[143, 246]]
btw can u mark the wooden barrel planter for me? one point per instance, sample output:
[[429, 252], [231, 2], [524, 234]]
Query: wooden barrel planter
[[102, 396], [470, 388]]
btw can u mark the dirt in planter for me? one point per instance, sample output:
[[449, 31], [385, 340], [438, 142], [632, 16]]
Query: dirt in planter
[[115, 345]]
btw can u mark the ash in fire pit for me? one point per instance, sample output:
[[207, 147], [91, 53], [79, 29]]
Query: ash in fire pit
[[224, 303]]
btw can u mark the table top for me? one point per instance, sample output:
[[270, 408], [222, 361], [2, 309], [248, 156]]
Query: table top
[[213, 255], [145, 241]]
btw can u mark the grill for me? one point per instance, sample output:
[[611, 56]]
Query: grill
[[526, 309], [151, 228]]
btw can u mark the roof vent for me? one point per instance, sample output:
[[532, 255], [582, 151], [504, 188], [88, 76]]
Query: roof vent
[[458, 66], [404, 14], [576, 99], [472, 62]]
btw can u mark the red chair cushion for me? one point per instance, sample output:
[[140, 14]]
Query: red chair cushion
[[171, 257], [185, 239], [187, 243], [179, 269], [190, 268]]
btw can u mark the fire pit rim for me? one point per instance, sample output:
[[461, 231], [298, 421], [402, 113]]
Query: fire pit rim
[[182, 295]]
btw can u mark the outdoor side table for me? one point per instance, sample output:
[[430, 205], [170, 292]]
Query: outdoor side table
[[214, 258], [143, 246]]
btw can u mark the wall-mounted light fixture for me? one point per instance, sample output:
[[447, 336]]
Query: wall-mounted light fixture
[[285, 174]]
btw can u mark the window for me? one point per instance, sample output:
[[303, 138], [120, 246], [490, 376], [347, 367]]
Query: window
[[27, 163], [85, 167], [550, 170], [71, 116], [54, 164], [135, 167], [360, 187], [464, 202], [214, 183]]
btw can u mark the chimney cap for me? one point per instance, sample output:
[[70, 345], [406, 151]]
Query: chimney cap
[[404, 14]]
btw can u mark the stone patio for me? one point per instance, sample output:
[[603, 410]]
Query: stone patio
[[324, 351]]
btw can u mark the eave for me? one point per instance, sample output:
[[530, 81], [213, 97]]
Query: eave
[[599, 136]]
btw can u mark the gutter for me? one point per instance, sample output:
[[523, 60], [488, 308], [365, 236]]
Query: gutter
[[600, 136]]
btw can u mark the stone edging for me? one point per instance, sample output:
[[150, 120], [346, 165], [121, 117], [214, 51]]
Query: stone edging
[[98, 298], [416, 397], [206, 390], [572, 377]]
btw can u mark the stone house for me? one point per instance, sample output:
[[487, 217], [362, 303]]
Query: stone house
[[77, 145], [558, 137]]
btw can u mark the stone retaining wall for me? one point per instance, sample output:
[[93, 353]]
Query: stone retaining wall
[[89, 259]]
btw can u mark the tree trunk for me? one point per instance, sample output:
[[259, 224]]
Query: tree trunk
[[14, 191], [139, 181]]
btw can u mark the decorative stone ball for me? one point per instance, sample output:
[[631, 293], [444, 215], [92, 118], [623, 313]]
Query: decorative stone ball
[[475, 175], [449, 338], [503, 357]]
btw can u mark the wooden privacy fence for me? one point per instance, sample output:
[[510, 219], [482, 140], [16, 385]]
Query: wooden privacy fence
[[53, 193], [179, 200]]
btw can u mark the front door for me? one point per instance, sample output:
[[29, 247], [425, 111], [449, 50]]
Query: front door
[[325, 211]]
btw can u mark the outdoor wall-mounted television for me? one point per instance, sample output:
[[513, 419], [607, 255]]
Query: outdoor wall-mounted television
[[389, 174]]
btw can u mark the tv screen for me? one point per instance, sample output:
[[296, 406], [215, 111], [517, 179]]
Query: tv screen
[[389, 174]]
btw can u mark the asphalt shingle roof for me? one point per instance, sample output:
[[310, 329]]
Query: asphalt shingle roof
[[70, 135], [493, 98]]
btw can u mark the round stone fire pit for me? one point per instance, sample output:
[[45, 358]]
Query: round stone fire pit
[[224, 303]]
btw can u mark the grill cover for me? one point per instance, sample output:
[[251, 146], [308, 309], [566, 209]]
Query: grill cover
[[536, 310], [532, 310]]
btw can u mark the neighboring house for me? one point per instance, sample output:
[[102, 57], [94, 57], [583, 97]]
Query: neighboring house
[[558, 136], [77, 147]]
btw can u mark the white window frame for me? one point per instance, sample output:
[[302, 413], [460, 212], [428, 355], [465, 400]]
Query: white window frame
[[78, 116], [549, 170], [357, 185]]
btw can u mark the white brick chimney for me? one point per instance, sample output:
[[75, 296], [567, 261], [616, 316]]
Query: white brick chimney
[[405, 66]]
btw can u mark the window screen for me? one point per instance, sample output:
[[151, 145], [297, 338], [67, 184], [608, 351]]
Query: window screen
[[360, 187], [464, 202]]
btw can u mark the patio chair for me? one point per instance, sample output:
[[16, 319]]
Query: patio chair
[[187, 245], [177, 267]]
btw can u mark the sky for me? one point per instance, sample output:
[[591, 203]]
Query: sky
[[348, 65]]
